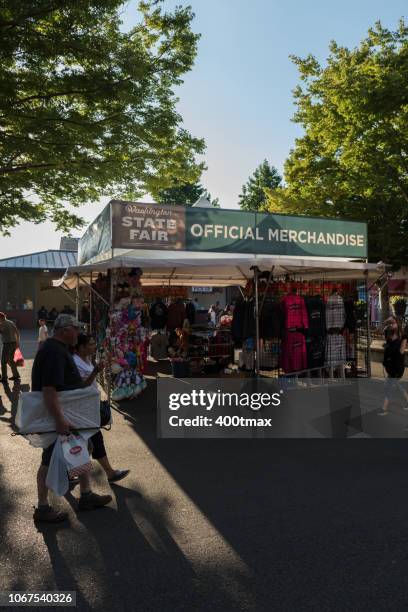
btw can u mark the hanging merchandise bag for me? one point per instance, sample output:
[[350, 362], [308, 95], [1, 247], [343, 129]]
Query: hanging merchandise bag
[[76, 455], [18, 358]]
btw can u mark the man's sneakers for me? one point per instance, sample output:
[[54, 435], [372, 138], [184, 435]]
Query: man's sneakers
[[91, 501], [47, 514]]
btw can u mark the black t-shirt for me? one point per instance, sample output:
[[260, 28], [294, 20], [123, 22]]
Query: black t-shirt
[[315, 352], [394, 361], [54, 367], [316, 315]]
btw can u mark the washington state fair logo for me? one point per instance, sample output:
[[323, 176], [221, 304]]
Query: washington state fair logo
[[145, 209]]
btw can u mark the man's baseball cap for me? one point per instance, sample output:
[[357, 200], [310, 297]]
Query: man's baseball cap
[[65, 320]]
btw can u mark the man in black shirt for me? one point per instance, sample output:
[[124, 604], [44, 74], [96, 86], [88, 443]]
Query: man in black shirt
[[54, 370]]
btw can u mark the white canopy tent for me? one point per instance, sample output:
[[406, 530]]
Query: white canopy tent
[[191, 269]]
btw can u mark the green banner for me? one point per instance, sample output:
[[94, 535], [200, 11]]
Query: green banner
[[164, 227], [241, 232]]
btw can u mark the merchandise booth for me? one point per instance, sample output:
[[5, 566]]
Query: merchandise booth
[[301, 310]]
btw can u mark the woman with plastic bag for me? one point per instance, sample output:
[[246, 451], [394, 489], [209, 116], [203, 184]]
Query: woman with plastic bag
[[84, 352]]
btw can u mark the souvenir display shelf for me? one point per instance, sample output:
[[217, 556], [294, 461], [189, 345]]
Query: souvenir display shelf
[[210, 343], [124, 347]]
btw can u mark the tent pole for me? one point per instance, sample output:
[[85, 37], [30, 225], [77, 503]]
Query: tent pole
[[77, 298], [93, 290], [108, 362], [368, 326], [258, 346], [90, 307]]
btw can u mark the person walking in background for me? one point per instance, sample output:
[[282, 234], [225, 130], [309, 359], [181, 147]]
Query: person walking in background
[[53, 314], [42, 332], [394, 362], [84, 351], [42, 314], [158, 314], [54, 370], [11, 340], [175, 315], [190, 312], [212, 315], [218, 311]]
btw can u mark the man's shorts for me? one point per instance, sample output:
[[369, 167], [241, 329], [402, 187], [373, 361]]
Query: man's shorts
[[46, 455]]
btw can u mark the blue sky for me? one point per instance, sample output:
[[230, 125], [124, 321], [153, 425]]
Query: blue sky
[[238, 96]]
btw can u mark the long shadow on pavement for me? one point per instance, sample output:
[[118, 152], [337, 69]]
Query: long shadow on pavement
[[304, 515], [143, 567]]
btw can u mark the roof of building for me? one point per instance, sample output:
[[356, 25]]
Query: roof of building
[[44, 260]]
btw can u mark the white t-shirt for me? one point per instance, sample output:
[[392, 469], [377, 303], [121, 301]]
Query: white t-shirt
[[42, 333], [85, 368]]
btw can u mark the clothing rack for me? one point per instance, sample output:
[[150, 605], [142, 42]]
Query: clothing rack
[[357, 343]]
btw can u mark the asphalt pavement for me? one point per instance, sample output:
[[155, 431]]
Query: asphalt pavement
[[261, 524]]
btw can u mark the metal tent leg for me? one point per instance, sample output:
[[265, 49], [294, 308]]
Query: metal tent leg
[[77, 299], [258, 342]]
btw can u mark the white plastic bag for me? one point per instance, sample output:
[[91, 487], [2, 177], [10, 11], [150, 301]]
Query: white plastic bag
[[76, 455], [57, 476]]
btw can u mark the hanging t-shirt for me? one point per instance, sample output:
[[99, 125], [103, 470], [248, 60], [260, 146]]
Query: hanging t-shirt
[[335, 313], [294, 356], [316, 313], [335, 349], [316, 352], [350, 321], [294, 312], [270, 319]]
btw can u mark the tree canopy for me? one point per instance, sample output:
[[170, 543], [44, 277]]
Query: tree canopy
[[88, 110], [253, 195], [184, 193], [352, 160]]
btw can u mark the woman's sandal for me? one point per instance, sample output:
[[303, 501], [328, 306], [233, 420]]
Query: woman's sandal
[[118, 475]]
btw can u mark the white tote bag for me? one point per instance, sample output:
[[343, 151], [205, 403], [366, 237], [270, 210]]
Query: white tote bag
[[81, 407]]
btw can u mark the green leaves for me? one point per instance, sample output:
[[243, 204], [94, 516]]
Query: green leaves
[[184, 193], [352, 159], [87, 110], [253, 196]]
